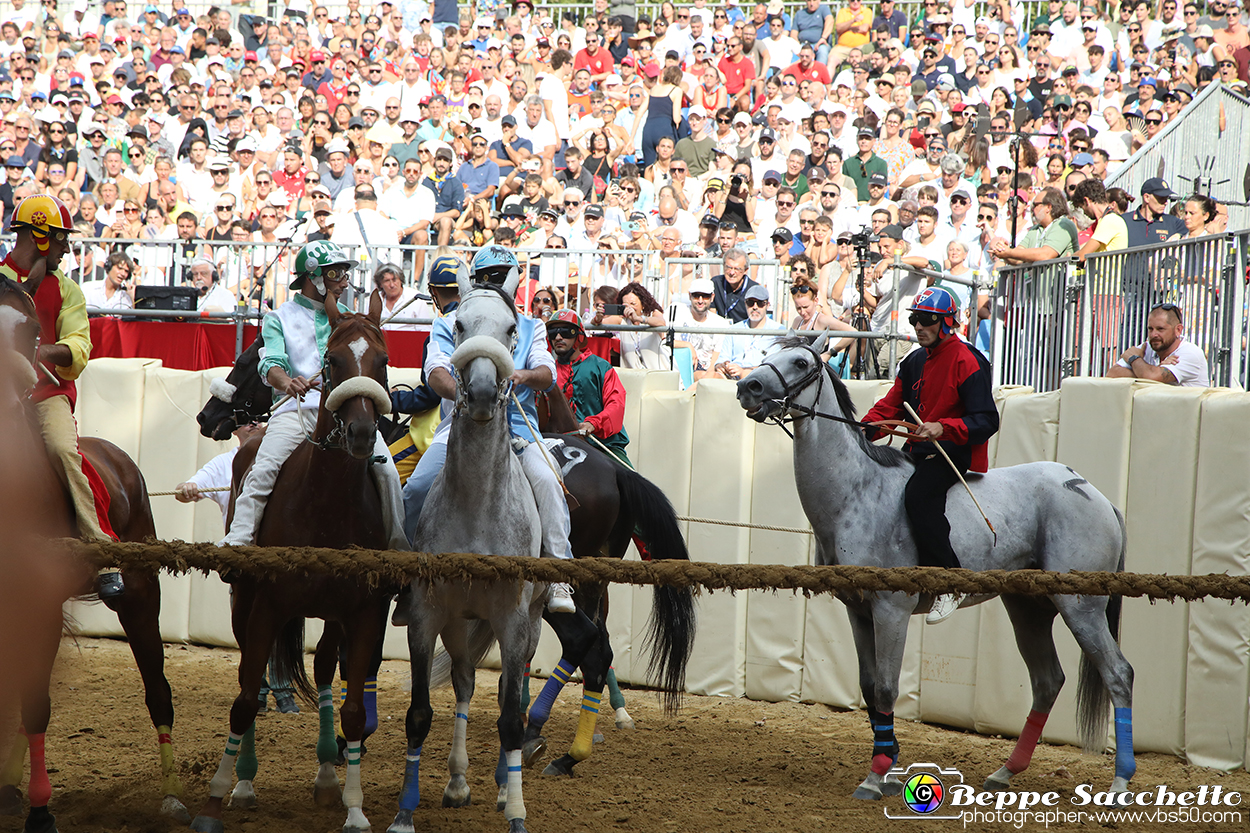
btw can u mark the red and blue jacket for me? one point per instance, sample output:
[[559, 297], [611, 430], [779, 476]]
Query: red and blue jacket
[[948, 383]]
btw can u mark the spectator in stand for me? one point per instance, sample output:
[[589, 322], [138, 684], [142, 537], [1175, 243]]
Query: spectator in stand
[[116, 291], [1110, 232], [1053, 236], [1166, 356], [814, 27]]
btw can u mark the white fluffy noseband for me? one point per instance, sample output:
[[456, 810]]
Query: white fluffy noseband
[[221, 389], [479, 347], [360, 386]]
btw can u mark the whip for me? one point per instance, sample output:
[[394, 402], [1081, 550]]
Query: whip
[[955, 469]]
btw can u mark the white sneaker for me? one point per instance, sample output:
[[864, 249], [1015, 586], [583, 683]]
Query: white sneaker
[[943, 607], [560, 598]]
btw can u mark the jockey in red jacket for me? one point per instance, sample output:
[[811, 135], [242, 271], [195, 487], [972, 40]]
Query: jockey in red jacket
[[948, 385]]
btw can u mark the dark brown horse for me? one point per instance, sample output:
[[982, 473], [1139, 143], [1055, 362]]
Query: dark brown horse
[[138, 610], [325, 496]]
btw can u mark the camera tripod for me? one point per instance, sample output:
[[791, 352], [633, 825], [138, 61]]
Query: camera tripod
[[859, 317]]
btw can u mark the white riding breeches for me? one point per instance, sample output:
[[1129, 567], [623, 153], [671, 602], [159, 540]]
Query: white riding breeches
[[549, 495], [281, 438]]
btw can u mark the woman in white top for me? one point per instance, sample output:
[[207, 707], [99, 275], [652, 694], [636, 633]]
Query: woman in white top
[[640, 349]]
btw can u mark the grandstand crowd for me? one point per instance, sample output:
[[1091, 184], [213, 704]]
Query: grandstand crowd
[[957, 132]]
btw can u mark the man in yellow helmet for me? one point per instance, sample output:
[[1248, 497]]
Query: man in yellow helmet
[[43, 224]]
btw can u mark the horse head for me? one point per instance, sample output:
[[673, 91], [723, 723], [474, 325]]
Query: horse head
[[354, 377], [240, 398], [485, 335], [782, 385]]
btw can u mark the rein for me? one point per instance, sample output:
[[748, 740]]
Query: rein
[[817, 374]]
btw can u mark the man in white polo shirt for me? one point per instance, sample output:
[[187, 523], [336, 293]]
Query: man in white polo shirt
[[1166, 356]]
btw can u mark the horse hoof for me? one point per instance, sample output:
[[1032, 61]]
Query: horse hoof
[[623, 720], [40, 821], [402, 823], [328, 796], [532, 750], [356, 822], [204, 824], [457, 792], [865, 794], [243, 797], [891, 786], [1119, 785], [175, 809], [993, 785], [501, 800], [516, 826], [10, 801], [560, 766]]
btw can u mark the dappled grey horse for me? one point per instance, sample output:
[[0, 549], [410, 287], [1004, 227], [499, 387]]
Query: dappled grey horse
[[481, 502], [1048, 518]]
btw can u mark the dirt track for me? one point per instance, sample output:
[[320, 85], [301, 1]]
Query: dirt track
[[720, 765]]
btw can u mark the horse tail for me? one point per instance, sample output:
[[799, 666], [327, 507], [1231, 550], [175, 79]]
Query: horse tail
[[671, 628], [287, 659], [480, 640], [1092, 696]]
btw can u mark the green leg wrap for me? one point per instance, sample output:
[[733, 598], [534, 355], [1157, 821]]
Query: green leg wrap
[[245, 765], [327, 748], [615, 698]]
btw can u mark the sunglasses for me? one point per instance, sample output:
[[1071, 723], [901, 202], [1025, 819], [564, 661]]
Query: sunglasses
[[989, 218], [572, 203], [225, 208], [561, 332], [756, 302], [923, 319], [130, 210]]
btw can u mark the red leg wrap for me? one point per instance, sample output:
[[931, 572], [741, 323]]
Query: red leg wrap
[[40, 787], [1023, 753], [881, 764]]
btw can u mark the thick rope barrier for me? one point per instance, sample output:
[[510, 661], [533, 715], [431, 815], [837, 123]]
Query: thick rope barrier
[[382, 567]]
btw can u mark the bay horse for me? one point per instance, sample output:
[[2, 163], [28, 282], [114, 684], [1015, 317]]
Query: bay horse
[[138, 609], [325, 496], [1049, 518], [480, 502]]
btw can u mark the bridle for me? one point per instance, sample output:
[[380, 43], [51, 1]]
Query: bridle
[[817, 374], [504, 390]]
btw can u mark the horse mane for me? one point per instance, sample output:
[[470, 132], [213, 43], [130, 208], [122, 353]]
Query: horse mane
[[10, 286], [881, 454]]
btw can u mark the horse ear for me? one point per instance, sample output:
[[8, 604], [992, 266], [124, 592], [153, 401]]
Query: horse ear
[[375, 307], [462, 280], [332, 309], [511, 283], [822, 342], [790, 333]]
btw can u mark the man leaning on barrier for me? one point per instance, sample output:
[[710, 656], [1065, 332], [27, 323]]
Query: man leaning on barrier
[[1166, 356]]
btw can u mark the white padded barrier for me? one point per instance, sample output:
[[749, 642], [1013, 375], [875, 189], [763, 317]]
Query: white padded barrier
[[1159, 523], [720, 489], [1001, 395], [1219, 632], [1028, 430]]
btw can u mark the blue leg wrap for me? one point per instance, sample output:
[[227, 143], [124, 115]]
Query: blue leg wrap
[[371, 706], [410, 795], [883, 740], [1125, 763], [501, 769], [547, 698]]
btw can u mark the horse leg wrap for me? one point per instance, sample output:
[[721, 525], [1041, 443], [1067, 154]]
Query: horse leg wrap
[[245, 763], [371, 706], [458, 760], [884, 744], [170, 784], [501, 772], [1023, 753], [40, 790], [410, 794], [11, 775], [353, 795], [551, 690], [585, 738], [220, 785], [338, 730], [327, 749], [1125, 763], [515, 807], [615, 699]]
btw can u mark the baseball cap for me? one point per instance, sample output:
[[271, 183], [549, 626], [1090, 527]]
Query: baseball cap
[[892, 231], [783, 234], [742, 118], [946, 81], [316, 55], [878, 179], [1157, 187], [513, 210], [594, 210], [696, 110], [138, 130], [651, 70], [710, 220], [250, 56], [246, 143], [756, 293], [702, 286], [817, 174], [1082, 159], [279, 197], [508, 121], [768, 134], [775, 175], [866, 133]]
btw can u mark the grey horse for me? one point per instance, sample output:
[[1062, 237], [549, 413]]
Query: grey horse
[[481, 502], [1048, 518]]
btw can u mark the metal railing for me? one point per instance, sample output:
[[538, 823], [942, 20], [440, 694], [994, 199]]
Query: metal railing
[[1055, 319]]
